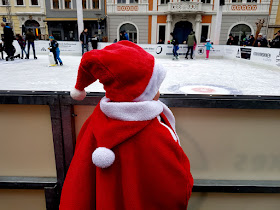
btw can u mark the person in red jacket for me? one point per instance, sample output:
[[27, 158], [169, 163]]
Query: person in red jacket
[[128, 155]]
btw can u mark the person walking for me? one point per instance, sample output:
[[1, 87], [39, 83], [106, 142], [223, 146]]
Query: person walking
[[22, 44], [175, 43], [275, 43], [191, 40], [55, 50], [261, 41], [208, 48], [84, 38], [30, 38], [8, 41]]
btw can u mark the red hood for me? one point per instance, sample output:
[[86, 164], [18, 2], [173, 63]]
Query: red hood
[[111, 132]]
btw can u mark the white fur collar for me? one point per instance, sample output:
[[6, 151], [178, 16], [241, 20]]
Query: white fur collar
[[131, 111]]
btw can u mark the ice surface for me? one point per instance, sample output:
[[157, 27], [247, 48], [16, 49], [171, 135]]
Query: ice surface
[[213, 76]]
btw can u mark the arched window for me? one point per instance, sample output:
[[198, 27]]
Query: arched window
[[240, 31], [130, 30]]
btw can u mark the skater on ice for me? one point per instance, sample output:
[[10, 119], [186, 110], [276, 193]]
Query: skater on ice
[[208, 48], [128, 155], [8, 41], [191, 40], [22, 44], [84, 38], [55, 50], [30, 38], [175, 43]]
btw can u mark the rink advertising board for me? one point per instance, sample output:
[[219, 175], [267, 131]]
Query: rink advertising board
[[256, 54]]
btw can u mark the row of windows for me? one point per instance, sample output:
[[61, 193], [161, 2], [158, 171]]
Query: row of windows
[[167, 1], [20, 2], [68, 4]]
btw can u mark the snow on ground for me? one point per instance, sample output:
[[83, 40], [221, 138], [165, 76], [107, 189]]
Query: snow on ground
[[214, 76]]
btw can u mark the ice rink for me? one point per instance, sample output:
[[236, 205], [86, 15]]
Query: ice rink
[[214, 76]]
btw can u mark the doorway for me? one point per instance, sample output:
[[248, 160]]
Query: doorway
[[181, 30]]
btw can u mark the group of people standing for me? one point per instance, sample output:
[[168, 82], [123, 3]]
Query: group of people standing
[[8, 43], [191, 42], [261, 41]]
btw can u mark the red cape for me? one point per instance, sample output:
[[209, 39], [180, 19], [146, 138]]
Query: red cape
[[150, 172]]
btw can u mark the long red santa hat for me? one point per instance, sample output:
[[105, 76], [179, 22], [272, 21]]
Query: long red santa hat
[[128, 74]]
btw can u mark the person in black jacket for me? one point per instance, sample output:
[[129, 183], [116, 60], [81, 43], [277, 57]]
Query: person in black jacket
[[84, 38], [30, 38], [275, 43], [231, 40], [8, 41], [261, 41], [251, 40]]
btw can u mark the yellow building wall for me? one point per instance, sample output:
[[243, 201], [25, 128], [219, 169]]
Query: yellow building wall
[[14, 9]]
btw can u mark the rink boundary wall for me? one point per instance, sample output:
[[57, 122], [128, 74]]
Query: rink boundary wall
[[266, 56], [62, 118]]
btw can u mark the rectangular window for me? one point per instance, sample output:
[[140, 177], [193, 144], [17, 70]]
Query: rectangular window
[[3, 2], [84, 4], [121, 1], [67, 4], [95, 4], [20, 2], [236, 1], [249, 1], [206, 1], [133, 1], [164, 1], [161, 33], [56, 4], [204, 33], [34, 2]]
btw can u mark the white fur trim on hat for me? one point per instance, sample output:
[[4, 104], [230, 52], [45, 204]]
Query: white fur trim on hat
[[152, 88], [77, 94], [131, 111], [103, 157]]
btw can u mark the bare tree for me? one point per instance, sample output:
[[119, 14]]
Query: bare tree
[[259, 28]]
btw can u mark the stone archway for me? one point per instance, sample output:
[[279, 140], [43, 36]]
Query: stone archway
[[34, 26], [181, 30]]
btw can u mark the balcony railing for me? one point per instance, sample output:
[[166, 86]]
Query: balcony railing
[[113, 8], [246, 8], [184, 7]]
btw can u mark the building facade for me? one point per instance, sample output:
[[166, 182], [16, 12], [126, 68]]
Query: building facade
[[148, 21], [24, 14], [61, 17], [274, 22]]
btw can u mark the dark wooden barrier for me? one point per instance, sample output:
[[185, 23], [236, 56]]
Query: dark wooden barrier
[[62, 119]]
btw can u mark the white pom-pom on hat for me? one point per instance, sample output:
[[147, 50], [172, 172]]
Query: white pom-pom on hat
[[78, 94], [103, 157]]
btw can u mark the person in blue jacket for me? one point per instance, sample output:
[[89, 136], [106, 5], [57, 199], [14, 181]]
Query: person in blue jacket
[[125, 35], [55, 50], [208, 47]]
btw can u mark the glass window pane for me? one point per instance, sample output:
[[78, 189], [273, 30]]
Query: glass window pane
[[84, 4], [204, 33], [67, 4], [19, 2], [56, 4]]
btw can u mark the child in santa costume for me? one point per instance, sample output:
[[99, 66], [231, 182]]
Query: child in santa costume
[[128, 155]]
